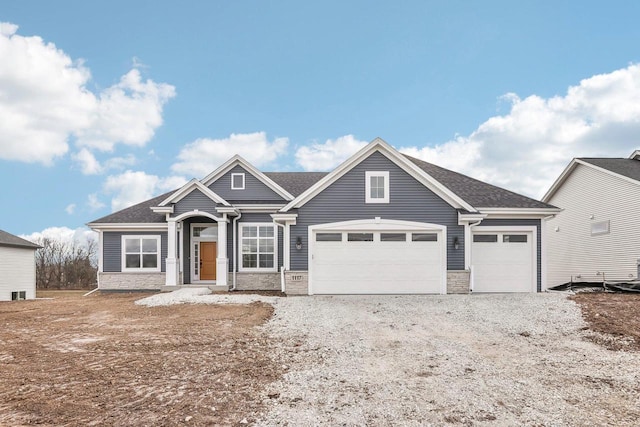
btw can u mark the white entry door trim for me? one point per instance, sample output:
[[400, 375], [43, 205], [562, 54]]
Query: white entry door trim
[[381, 225]]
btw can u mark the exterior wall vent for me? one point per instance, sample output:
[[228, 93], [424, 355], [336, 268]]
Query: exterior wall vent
[[18, 295]]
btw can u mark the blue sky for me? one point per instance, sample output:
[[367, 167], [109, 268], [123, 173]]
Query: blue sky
[[104, 104]]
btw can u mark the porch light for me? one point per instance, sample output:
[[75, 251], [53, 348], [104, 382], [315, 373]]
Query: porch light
[[456, 243], [298, 243]]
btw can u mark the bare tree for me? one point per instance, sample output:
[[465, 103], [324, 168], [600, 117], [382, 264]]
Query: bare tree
[[66, 265]]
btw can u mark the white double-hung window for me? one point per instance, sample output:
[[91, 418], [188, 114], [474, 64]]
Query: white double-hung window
[[258, 244], [141, 253], [377, 187]]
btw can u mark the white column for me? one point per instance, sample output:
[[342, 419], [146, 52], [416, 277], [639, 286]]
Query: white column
[[171, 261], [467, 246], [222, 262], [286, 245]]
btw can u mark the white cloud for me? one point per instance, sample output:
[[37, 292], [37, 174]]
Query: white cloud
[[326, 156], [128, 112], [70, 209], [132, 187], [526, 149], [94, 203], [44, 103], [80, 236], [204, 155], [89, 165]]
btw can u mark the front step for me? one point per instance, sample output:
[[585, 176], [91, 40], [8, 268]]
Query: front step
[[212, 288]]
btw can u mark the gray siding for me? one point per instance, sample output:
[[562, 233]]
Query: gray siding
[[536, 222], [195, 200], [112, 248], [254, 189], [344, 200], [252, 217]]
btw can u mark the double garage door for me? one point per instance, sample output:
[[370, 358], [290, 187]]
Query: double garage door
[[503, 260], [413, 261], [378, 262]]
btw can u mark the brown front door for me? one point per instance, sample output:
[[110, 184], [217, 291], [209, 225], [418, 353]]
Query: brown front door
[[208, 253]]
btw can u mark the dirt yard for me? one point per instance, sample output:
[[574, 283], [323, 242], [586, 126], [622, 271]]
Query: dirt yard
[[101, 360], [615, 315]]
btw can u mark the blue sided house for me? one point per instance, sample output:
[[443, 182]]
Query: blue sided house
[[380, 223]]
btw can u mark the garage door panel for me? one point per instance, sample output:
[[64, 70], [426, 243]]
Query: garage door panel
[[379, 267], [503, 265]]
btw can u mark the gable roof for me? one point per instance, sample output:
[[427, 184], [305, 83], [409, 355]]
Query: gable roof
[[8, 239], [186, 189], [470, 192], [478, 193], [379, 145], [627, 169], [238, 160]]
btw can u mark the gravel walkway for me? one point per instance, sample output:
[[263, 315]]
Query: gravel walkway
[[487, 360]]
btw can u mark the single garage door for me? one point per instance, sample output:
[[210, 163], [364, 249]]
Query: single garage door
[[503, 261], [378, 262]]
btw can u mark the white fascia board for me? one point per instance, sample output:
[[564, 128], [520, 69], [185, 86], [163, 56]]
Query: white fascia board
[[260, 207], [396, 157], [513, 213], [285, 218], [128, 227], [465, 218], [635, 155], [227, 209], [239, 160], [188, 188], [558, 182], [162, 209]]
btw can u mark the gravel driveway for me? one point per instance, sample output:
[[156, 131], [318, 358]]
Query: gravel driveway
[[452, 360]]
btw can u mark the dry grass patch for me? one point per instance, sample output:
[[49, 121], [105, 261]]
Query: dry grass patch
[[613, 316]]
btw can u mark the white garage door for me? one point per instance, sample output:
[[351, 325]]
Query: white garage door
[[378, 262], [503, 261]]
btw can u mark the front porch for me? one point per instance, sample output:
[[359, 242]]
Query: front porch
[[197, 251]]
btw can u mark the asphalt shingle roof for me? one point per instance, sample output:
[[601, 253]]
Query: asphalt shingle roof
[[625, 167], [140, 213], [474, 192], [477, 193], [8, 239], [295, 182]]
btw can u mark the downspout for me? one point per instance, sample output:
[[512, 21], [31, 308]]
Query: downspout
[[283, 248], [235, 251], [469, 243]]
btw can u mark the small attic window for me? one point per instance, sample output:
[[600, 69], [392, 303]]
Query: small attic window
[[237, 181]]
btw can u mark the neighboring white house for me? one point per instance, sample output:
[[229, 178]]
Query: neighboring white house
[[17, 268], [596, 237]]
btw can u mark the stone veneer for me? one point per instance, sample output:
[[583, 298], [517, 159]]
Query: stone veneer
[[458, 281], [131, 281], [256, 281], [296, 282]]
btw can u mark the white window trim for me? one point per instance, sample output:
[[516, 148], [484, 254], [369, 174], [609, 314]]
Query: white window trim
[[370, 174], [274, 269], [233, 175], [123, 251]]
